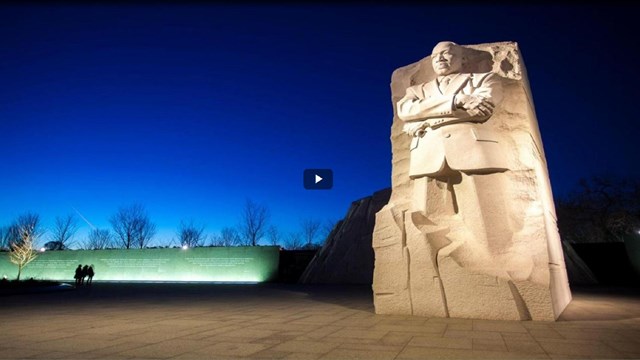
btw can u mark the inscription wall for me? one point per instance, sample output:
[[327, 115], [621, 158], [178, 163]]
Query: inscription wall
[[216, 264]]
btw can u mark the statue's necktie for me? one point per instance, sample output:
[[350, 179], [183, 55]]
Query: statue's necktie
[[444, 82]]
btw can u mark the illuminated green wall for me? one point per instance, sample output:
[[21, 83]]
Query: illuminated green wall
[[224, 264]]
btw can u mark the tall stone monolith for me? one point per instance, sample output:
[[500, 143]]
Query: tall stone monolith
[[470, 228]]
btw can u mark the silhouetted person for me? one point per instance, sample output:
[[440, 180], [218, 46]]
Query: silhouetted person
[[90, 274], [84, 273], [78, 275]]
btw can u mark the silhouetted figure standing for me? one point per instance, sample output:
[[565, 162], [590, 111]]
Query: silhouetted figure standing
[[78, 275], [84, 273], [90, 274]]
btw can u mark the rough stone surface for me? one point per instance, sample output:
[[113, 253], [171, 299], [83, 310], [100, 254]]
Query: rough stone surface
[[430, 257], [346, 256], [330, 266]]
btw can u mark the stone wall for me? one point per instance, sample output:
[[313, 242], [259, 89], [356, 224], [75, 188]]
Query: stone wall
[[347, 256]]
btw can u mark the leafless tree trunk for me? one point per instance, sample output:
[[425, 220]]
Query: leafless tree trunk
[[228, 237], [63, 230], [294, 241], [310, 229], [132, 227], [22, 252], [98, 239], [273, 235], [254, 222], [191, 235]]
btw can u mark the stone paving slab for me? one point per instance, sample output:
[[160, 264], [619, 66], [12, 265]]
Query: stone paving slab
[[279, 321]]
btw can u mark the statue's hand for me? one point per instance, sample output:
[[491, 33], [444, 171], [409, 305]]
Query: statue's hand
[[475, 105], [416, 128]]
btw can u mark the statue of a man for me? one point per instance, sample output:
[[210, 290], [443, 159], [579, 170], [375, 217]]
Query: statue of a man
[[457, 162], [469, 230]]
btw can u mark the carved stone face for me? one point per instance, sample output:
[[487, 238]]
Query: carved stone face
[[446, 58]]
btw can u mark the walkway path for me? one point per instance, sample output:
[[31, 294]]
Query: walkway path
[[274, 321]]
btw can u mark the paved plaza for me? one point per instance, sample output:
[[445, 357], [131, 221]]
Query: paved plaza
[[279, 321]]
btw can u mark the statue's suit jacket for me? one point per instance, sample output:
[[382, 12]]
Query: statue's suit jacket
[[456, 138]]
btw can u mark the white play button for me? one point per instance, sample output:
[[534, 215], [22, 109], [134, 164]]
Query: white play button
[[317, 179]]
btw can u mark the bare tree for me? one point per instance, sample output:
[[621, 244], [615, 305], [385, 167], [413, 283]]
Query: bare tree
[[132, 227], [12, 235], [294, 241], [228, 237], [273, 234], [310, 229], [27, 222], [4, 237], [602, 209], [63, 230], [254, 222], [98, 239], [190, 234], [22, 252]]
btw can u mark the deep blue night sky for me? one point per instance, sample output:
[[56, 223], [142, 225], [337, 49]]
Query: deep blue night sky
[[191, 109]]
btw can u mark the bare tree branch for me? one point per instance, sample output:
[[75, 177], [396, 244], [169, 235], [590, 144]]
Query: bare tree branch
[[98, 239], [294, 241], [601, 210], [228, 237], [273, 234], [254, 222], [310, 229], [63, 230], [22, 252], [29, 222], [4, 237], [191, 235], [132, 227]]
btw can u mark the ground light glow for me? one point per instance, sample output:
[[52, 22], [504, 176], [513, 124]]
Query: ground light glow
[[208, 264]]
